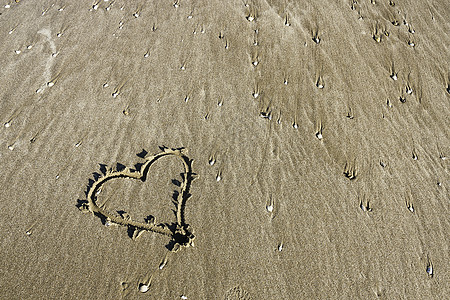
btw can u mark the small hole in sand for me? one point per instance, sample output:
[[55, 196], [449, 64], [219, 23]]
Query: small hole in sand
[[430, 269], [320, 84], [163, 263], [409, 90], [365, 207], [280, 247], [286, 22], [143, 288], [410, 207], [266, 115], [377, 37]]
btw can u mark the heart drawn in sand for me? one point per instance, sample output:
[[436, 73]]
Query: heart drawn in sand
[[180, 232]]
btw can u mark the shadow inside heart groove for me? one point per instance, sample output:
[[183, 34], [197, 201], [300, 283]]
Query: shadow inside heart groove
[[181, 233]]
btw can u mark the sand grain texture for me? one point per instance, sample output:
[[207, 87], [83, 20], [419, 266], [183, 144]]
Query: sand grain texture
[[319, 131]]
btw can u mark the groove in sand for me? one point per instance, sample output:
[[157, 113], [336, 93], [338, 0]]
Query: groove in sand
[[181, 233]]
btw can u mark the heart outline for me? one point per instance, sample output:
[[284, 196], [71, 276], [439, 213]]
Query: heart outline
[[181, 233]]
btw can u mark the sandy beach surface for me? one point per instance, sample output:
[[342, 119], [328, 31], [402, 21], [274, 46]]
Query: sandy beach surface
[[286, 149]]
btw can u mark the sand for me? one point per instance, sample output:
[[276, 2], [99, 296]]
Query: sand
[[318, 132]]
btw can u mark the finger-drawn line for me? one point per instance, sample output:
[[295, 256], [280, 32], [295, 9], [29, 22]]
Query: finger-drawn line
[[180, 232]]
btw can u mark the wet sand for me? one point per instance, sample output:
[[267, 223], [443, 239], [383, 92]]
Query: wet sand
[[318, 133]]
